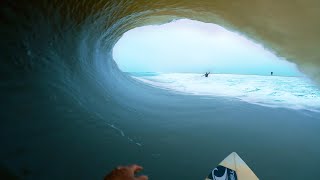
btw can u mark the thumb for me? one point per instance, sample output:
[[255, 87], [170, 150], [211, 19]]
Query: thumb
[[142, 178]]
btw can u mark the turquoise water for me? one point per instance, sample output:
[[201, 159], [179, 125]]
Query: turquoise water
[[272, 91]]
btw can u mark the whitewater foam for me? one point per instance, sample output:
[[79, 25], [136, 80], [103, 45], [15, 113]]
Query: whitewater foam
[[271, 91]]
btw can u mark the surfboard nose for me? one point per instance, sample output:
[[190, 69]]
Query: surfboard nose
[[232, 168]]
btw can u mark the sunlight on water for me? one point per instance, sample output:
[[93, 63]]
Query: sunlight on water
[[272, 91]]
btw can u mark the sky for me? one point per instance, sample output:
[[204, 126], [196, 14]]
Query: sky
[[195, 47]]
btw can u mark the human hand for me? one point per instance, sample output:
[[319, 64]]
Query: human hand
[[126, 173]]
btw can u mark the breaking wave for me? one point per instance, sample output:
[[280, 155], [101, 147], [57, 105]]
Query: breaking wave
[[271, 91], [63, 97]]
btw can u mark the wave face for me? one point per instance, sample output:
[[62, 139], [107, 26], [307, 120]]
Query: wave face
[[67, 111]]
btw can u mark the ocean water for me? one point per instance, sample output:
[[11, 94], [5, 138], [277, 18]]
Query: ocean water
[[272, 91]]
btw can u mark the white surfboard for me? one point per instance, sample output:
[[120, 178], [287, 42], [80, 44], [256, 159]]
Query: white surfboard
[[232, 168]]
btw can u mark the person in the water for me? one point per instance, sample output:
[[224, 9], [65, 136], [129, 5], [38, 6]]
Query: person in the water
[[271, 73], [206, 74], [126, 173]]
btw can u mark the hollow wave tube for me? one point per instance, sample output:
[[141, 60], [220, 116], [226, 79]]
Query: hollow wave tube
[[68, 112]]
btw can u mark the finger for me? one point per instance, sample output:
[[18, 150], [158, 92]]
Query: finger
[[135, 168], [142, 178]]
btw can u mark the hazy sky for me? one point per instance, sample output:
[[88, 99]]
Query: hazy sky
[[193, 46]]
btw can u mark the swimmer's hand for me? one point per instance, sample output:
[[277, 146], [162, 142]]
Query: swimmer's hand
[[126, 173]]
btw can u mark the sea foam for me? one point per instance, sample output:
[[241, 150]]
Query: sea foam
[[271, 91]]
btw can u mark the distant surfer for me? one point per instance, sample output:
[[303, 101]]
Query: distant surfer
[[271, 73], [206, 74]]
